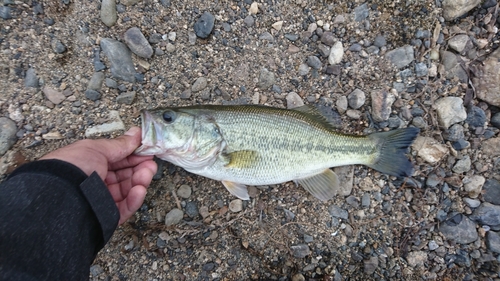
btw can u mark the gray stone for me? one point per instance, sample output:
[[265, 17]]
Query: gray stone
[[345, 174], [192, 209], [95, 82], [473, 185], [432, 245], [422, 34], [495, 120], [31, 80], [493, 241], [184, 191], [491, 147], [356, 99], [401, 57], [454, 133], [314, 62], [455, 8], [370, 265], [460, 229], [472, 203], [491, 191], [126, 98], [249, 21], [138, 43], [58, 46], [227, 27], [462, 165], [365, 200], [110, 83], [421, 69], [303, 69], [8, 130], [381, 105], [114, 125], [173, 217], [336, 53], [92, 95], [487, 213], [450, 110], [293, 100], [5, 12], [204, 25], [53, 95], [120, 58], [266, 79], [338, 212], [266, 36], [458, 42], [453, 67], [341, 104], [199, 84], [292, 37], [328, 38], [300, 251], [379, 41], [355, 48], [416, 259], [361, 12], [476, 117], [308, 238], [108, 12]]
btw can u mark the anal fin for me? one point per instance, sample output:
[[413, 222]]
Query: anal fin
[[237, 189], [323, 185]]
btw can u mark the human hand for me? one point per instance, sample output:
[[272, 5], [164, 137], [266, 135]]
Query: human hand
[[125, 175]]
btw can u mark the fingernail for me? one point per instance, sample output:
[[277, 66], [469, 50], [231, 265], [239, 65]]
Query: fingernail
[[132, 131]]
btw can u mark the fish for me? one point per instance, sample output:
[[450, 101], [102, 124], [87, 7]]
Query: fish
[[243, 145]]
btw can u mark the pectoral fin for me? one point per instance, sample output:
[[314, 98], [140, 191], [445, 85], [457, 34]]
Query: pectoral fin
[[241, 159], [323, 185], [237, 189]]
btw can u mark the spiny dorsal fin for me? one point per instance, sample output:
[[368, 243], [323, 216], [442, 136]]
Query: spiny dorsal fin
[[323, 185], [313, 114], [242, 158]]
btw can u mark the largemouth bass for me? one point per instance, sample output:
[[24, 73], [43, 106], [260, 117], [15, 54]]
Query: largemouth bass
[[258, 145]]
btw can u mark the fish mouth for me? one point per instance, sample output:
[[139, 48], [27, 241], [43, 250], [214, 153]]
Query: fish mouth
[[148, 135]]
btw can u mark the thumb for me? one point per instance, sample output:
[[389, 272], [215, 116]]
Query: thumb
[[119, 148]]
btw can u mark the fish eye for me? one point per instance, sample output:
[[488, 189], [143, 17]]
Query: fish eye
[[168, 116]]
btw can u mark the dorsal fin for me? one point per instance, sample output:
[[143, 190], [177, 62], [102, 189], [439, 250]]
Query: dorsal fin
[[313, 114]]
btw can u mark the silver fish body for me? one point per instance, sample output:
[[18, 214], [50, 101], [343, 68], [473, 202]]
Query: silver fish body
[[257, 145]]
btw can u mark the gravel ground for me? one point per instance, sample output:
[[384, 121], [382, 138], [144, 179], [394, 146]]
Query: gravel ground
[[73, 70]]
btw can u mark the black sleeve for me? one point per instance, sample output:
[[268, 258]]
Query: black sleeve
[[53, 221]]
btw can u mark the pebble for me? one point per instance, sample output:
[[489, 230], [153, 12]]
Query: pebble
[[173, 217], [58, 46], [138, 43], [495, 120], [5, 12], [341, 104], [454, 133], [204, 25], [116, 124], [453, 9], [278, 25], [254, 8], [300, 251], [266, 36], [450, 110], [338, 212], [266, 79], [458, 42], [379, 41], [361, 12], [126, 98], [416, 259], [336, 53], [108, 12], [381, 105], [473, 203], [292, 37], [370, 265], [365, 200], [298, 277], [418, 122], [293, 100], [462, 165], [429, 149], [249, 21], [473, 185], [421, 69], [192, 209], [236, 205], [353, 114], [96, 81], [53, 95], [120, 58], [460, 229], [491, 191], [191, 38], [476, 117], [8, 130], [184, 191], [110, 83], [31, 80], [172, 36], [314, 62], [487, 214], [401, 57], [356, 99], [452, 66], [493, 241], [199, 84], [92, 95], [208, 266], [303, 69], [432, 245], [491, 147]]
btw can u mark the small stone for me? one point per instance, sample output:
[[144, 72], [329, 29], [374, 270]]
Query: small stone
[[266, 79], [458, 42], [450, 110], [308, 238], [108, 12], [401, 57], [416, 259], [336, 53], [110, 83], [324, 50], [491, 192], [226, 26], [291, 37], [8, 130], [487, 213], [341, 104], [236, 205], [495, 120], [361, 12], [173, 217], [421, 69], [254, 8], [192, 209], [460, 229], [491, 147], [455, 8], [126, 98], [293, 100], [370, 265], [473, 185], [208, 266], [429, 149], [298, 277], [31, 80], [58, 46], [462, 165], [355, 48], [356, 99], [53, 96], [365, 200], [493, 241], [184, 191], [120, 58], [454, 133], [115, 125], [138, 43], [381, 105], [5, 12], [249, 21], [52, 136], [328, 38], [204, 25], [338, 212], [314, 62], [379, 41], [199, 84], [172, 36], [191, 38], [92, 95], [303, 69], [95, 82], [432, 245], [300, 251], [278, 25], [473, 203], [476, 117]]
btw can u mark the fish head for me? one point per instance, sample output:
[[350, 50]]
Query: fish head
[[164, 131]]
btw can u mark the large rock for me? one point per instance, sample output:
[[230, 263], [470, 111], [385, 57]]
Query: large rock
[[401, 57], [429, 149], [120, 58], [460, 229], [491, 147], [455, 8], [487, 82], [450, 110]]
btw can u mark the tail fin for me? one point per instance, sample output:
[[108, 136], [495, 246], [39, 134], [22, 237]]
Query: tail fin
[[393, 145]]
